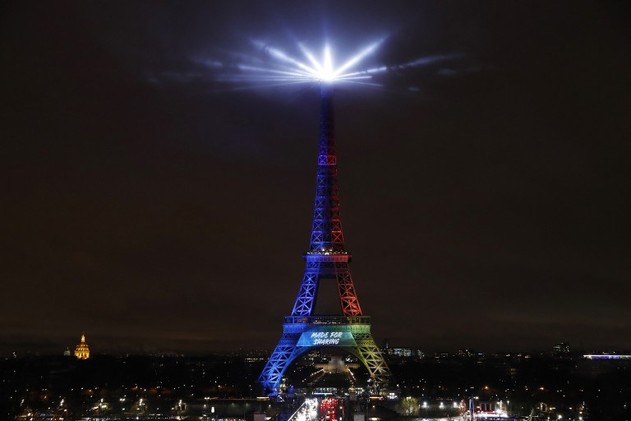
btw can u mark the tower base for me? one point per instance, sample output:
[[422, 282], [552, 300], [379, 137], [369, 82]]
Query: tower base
[[304, 333]]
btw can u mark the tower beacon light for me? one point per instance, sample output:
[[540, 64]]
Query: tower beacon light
[[287, 69]]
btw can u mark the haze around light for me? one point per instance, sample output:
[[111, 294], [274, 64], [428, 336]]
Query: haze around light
[[278, 67]]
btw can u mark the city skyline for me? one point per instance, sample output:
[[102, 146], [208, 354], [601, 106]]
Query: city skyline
[[155, 207]]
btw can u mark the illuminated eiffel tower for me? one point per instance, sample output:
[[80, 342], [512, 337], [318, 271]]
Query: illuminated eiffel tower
[[326, 260]]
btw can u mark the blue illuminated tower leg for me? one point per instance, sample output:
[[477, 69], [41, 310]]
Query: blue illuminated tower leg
[[308, 290], [278, 362]]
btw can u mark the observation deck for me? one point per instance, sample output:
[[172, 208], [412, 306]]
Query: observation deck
[[328, 320]]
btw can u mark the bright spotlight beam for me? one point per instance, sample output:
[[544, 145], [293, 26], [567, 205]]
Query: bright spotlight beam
[[310, 57], [359, 57], [319, 70], [328, 74], [272, 66]]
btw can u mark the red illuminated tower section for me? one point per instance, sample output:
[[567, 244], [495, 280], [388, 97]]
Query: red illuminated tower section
[[326, 261]]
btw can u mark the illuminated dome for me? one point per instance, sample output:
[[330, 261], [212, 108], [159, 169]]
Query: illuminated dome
[[82, 350]]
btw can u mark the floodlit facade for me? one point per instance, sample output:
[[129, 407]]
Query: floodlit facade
[[82, 350]]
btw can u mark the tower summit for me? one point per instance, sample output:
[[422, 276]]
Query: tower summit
[[326, 261]]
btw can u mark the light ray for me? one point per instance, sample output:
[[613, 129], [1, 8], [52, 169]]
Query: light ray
[[359, 57], [328, 74], [310, 57], [284, 66], [275, 52], [267, 70], [368, 72], [273, 66]]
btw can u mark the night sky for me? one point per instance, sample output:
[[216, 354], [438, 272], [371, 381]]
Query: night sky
[[485, 195]]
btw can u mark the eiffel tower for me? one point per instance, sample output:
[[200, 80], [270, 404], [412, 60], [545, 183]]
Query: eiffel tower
[[326, 260]]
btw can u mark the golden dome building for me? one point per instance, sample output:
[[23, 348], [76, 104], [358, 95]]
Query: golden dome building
[[82, 350]]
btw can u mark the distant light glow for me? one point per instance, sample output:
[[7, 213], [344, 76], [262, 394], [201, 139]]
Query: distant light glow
[[607, 357]]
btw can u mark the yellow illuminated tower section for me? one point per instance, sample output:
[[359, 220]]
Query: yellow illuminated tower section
[[82, 350]]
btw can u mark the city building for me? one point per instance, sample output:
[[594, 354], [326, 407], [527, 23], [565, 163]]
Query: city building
[[82, 350]]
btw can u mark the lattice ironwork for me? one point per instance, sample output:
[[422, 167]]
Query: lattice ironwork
[[327, 260], [303, 334]]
